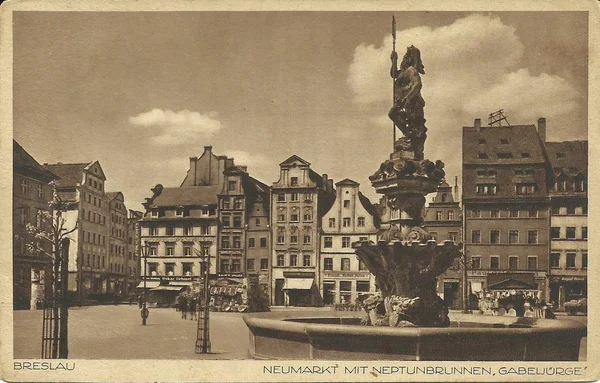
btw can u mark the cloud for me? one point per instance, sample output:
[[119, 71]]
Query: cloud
[[174, 128], [472, 68]]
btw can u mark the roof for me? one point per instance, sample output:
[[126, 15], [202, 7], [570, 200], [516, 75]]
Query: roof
[[347, 182], [568, 157], [511, 281], [70, 174], [294, 158], [188, 195], [516, 144], [113, 195], [25, 163]]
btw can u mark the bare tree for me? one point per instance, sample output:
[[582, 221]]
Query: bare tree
[[49, 238]]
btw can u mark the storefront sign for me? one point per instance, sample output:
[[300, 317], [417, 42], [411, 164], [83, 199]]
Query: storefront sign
[[567, 279], [231, 275], [171, 278], [346, 274]]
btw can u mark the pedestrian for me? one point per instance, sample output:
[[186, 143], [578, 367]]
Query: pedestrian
[[140, 300], [192, 306], [183, 306]]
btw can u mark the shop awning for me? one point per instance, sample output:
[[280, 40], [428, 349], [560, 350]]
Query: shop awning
[[512, 281], [168, 288], [225, 290], [181, 283], [149, 284], [298, 283]]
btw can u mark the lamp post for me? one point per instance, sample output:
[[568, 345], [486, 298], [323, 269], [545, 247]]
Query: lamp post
[[145, 249], [203, 333]]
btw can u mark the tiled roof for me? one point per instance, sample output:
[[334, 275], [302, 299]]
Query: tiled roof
[[70, 174], [347, 182], [517, 144], [186, 196], [568, 157], [24, 162]]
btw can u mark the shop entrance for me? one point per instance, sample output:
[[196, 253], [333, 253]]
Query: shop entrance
[[451, 293]]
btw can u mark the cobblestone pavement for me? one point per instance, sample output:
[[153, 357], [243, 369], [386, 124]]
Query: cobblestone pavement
[[116, 332]]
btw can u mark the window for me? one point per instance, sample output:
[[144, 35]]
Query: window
[[345, 241], [179, 212], [346, 222], [532, 237], [453, 236], [25, 187], [481, 173], [346, 203], [250, 264], [226, 221], [475, 236], [225, 242], [495, 236], [237, 242], [475, 213], [531, 263], [331, 222], [294, 217], [293, 259], [476, 263], [170, 230], [570, 233], [170, 249], [362, 266], [528, 188], [584, 261], [513, 213], [169, 268], [263, 242], [327, 263], [154, 213], [237, 203], [187, 268], [187, 230], [555, 260], [205, 229], [533, 213], [555, 232], [328, 242], [361, 221], [482, 155], [570, 209], [294, 197], [306, 239], [525, 155], [513, 263], [257, 222], [251, 243], [513, 236], [306, 260], [231, 186], [281, 217], [152, 269], [41, 191], [280, 239], [494, 263], [438, 215], [226, 204], [187, 250], [153, 250], [486, 189], [294, 181], [503, 155], [450, 215], [281, 197], [264, 264], [224, 266], [236, 265], [345, 264], [237, 221], [434, 235], [308, 197], [584, 234], [570, 260], [494, 213]]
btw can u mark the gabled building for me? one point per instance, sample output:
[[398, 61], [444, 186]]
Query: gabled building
[[568, 221], [82, 185], [299, 199], [133, 249], [344, 277], [443, 220], [506, 176], [118, 246], [32, 193]]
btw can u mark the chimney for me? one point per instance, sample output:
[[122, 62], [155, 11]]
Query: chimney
[[208, 149], [193, 162], [330, 185], [244, 168], [325, 181], [542, 128], [477, 124], [455, 188]]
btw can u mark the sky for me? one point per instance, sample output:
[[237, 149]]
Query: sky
[[141, 92]]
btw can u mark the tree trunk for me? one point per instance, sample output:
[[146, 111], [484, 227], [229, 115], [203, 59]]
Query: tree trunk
[[64, 304]]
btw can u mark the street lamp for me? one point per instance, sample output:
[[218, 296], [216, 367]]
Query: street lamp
[[145, 249], [203, 334]]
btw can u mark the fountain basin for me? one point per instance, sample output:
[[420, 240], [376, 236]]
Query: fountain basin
[[328, 335]]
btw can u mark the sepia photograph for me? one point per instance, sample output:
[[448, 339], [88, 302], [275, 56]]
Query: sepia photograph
[[303, 185]]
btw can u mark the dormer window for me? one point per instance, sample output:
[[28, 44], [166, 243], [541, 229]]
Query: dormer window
[[154, 213], [525, 155], [504, 155], [482, 155], [294, 181], [179, 212], [231, 186]]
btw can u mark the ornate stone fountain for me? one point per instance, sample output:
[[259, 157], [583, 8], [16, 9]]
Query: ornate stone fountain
[[406, 260]]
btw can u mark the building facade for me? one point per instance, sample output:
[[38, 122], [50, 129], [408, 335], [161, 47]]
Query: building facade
[[133, 250], [506, 213], [82, 186], [568, 221], [299, 199], [118, 244], [443, 220], [32, 193], [344, 277]]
